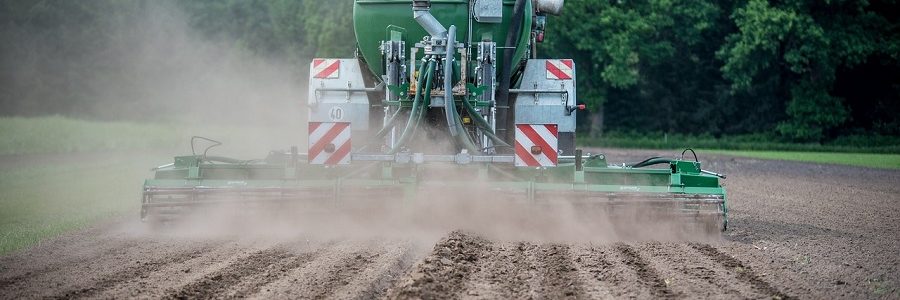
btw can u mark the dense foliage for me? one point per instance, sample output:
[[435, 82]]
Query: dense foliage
[[798, 70], [807, 70]]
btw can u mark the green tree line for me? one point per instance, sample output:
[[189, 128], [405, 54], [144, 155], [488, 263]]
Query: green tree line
[[800, 70], [796, 70]]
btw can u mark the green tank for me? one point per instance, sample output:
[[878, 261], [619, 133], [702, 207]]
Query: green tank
[[371, 19]]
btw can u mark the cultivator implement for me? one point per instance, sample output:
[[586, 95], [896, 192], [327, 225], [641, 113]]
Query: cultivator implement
[[432, 110], [681, 189]]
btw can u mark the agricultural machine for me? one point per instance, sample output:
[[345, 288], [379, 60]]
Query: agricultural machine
[[442, 94]]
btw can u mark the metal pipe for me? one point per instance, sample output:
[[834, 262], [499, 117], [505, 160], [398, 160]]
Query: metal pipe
[[376, 88], [520, 91], [449, 104], [713, 174], [422, 15]]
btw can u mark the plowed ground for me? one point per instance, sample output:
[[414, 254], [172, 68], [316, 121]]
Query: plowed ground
[[797, 231]]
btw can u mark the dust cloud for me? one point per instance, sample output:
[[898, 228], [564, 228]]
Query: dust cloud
[[149, 64], [480, 207], [429, 217], [210, 87]]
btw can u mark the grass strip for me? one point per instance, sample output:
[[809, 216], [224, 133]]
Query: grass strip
[[870, 160], [43, 200]]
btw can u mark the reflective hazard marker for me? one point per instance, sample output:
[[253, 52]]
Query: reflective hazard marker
[[536, 145], [326, 68], [560, 69], [329, 143]]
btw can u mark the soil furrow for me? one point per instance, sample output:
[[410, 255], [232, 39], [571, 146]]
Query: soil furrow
[[744, 273], [712, 278], [174, 276], [332, 270], [384, 273], [559, 277], [503, 273], [68, 261], [139, 270], [603, 278], [342, 274], [446, 270], [244, 276], [685, 273], [646, 275], [35, 269]]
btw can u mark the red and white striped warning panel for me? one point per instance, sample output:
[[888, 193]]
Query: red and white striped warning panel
[[536, 145], [560, 69], [326, 68], [329, 143]]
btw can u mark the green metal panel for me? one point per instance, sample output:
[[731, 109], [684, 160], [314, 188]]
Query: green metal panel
[[371, 19]]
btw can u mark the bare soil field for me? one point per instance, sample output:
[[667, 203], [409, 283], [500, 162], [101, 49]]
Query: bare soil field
[[796, 230]]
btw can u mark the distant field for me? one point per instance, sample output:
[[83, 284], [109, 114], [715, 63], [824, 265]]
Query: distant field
[[58, 174], [871, 160], [40, 199], [65, 135], [57, 134]]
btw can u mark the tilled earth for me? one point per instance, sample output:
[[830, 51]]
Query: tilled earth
[[797, 231]]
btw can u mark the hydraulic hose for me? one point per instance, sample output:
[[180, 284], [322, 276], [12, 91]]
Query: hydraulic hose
[[426, 101], [454, 122], [483, 124], [650, 161], [417, 102]]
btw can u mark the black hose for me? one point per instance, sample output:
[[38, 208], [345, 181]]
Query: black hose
[[692, 151], [483, 124], [502, 97], [656, 160], [454, 121]]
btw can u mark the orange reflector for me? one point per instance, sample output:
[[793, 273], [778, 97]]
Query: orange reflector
[[329, 148], [535, 150]]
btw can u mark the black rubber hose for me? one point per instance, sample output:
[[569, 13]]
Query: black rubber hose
[[650, 161], [502, 97], [483, 124]]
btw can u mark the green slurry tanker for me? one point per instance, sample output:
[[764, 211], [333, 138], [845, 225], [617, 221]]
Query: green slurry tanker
[[442, 95]]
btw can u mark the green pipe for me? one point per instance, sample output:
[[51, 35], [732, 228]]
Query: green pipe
[[463, 138], [483, 124], [416, 103], [426, 99]]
